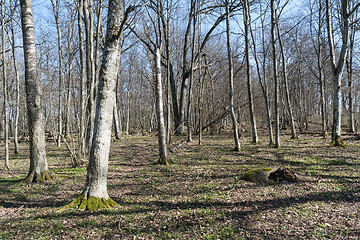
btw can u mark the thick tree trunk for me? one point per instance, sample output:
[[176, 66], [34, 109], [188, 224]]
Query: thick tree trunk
[[95, 195], [231, 81], [248, 72], [6, 120], [275, 69], [38, 171], [337, 67]]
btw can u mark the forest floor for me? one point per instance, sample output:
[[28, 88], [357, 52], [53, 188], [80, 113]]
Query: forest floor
[[200, 196]]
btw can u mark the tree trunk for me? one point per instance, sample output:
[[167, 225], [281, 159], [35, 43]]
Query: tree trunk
[[231, 81], [337, 67], [275, 69], [6, 120], [38, 171], [90, 72], [17, 89], [81, 139], [287, 94], [248, 72], [160, 110], [95, 195]]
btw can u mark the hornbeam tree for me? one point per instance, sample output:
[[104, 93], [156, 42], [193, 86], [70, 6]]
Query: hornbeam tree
[[38, 171], [95, 195]]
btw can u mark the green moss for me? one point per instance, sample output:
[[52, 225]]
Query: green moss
[[163, 162], [91, 204], [337, 142], [258, 175]]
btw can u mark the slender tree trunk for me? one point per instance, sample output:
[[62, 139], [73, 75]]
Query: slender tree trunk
[[287, 94], [17, 89], [6, 120], [116, 122], [55, 6], [262, 80], [231, 81], [90, 71], [160, 109], [82, 82], [95, 195], [275, 69], [38, 171], [321, 75], [248, 72], [349, 64]]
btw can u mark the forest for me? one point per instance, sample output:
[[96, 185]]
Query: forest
[[179, 119]]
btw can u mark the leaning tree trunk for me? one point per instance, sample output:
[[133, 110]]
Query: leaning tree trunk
[[38, 171], [248, 72], [95, 195], [6, 120], [231, 81], [276, 80]]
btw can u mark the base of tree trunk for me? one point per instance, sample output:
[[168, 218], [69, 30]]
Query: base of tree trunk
[[90, 204], [33, 177], [255, 142], [276, 145], [296, 137], [236, 149], [163, 162], [337, 142]]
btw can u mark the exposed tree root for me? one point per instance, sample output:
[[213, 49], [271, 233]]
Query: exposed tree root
[[163, 162], [91, 204], [337, 142], [33, 177]]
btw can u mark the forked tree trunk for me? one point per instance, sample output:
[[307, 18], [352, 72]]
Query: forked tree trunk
[[231, 81], [248, 72], [275, 69], [95, 195], [38, 171]]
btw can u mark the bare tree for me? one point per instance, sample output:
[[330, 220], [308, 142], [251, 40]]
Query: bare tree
[[38, 171], [95, 195], [231, 79]]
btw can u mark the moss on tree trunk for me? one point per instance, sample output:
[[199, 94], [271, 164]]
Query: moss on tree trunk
[[336, 142], [91, 204], [34, 177]]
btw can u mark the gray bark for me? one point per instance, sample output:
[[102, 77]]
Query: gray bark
[[160, 109], [81, 140], [231, 81], [248, 72], [6, 120], [38, 170], [287, 94], [96, 180], [275, 69], [55, 6]]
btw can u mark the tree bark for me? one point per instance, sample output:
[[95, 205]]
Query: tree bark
[[231, 81], [6, 120], [160, 110], [248, 72], [287, 94], [95, 195], [275, 70], [38, 171]]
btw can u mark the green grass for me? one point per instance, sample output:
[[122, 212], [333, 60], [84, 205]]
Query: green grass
[[200, 196]]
